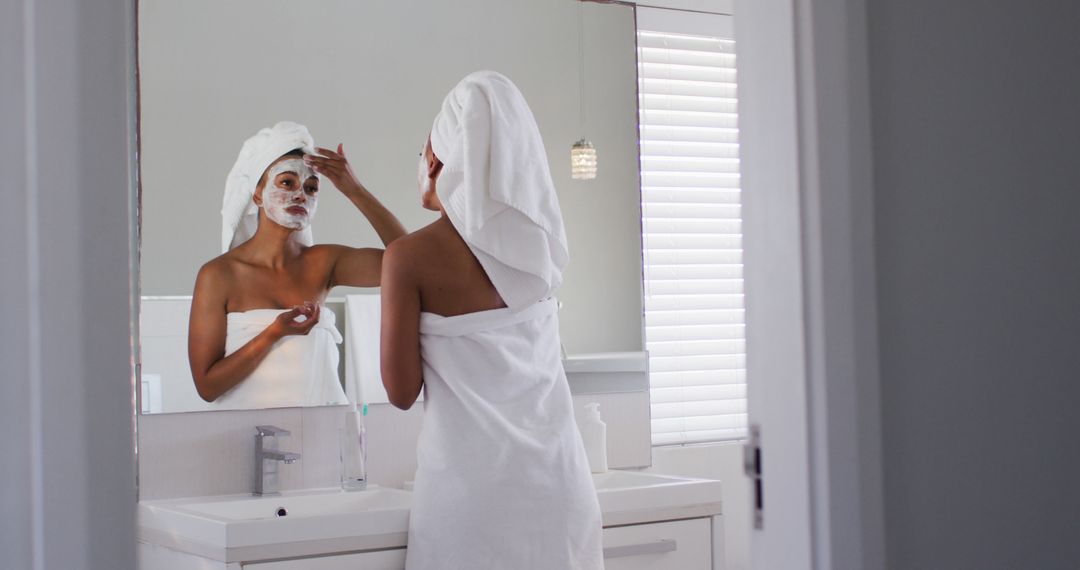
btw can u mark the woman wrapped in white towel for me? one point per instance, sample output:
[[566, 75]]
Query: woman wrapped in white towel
[[468, 317], [258, 336]]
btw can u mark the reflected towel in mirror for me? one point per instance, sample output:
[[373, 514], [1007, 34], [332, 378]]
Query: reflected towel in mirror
[[363, 376], [300, 370]]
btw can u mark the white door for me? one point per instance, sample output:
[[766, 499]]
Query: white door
[[776, 352]]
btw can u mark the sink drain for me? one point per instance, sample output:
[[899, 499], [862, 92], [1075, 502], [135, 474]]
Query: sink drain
[[281, 511]]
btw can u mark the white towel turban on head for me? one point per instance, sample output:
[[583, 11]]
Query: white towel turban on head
[[239, 214], [496, 187]]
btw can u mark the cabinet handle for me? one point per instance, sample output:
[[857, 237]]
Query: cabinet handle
[[657, 547]]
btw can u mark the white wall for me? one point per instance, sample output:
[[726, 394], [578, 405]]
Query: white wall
[[372, 75], [67, 480], [976, 135]]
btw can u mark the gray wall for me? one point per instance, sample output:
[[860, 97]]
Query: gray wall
[[372, 75], [976, 149]]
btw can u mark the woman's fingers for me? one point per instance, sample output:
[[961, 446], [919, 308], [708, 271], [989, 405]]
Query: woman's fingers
[[312, 319], [299, 319], [328, 171], [326, 166], [334, 166], [321, 162], [331, 154]]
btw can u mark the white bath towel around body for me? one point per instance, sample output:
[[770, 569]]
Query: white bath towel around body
[[502, 480], [300, 370]]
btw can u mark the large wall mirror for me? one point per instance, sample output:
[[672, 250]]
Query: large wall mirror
[[371, 76]]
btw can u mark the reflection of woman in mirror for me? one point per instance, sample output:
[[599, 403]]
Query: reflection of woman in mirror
[[258, 335], [467, 317]]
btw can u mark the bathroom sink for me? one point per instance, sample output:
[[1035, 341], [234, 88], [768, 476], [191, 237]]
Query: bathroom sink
[[301, 505], [628, 497], [235, 528], [631, 479], [244, 527]]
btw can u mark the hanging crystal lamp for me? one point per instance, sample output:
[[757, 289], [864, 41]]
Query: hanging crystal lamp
[[583, 160]]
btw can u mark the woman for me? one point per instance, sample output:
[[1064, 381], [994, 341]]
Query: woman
[[258, 336], [502, 478]]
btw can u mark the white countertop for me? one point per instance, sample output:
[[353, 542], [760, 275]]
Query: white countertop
[[320, 520]]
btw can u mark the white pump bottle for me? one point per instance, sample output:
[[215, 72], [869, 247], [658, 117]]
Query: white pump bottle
[[594, 435]]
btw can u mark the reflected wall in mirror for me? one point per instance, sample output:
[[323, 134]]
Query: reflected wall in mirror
[[372, 75]]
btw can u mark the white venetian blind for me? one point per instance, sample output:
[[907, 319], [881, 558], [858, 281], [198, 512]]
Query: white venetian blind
[[692, 237]]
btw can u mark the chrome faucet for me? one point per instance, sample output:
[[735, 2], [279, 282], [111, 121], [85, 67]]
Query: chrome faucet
[[268, 457]]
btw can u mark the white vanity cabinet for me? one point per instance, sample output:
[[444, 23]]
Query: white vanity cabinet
[[152, 557], [681, 544], [685, 544], [378, 560]]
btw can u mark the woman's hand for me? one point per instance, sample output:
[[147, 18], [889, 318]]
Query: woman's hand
[[286, 324], [335, 167]]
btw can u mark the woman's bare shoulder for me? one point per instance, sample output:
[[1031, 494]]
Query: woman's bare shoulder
[[324, 254], [217, 271], [324, 249], [428, 241]]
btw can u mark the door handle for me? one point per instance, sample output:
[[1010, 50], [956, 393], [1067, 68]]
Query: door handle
[[656, 547]]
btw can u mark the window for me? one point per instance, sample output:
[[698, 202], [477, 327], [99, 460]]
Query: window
[[691, 231]]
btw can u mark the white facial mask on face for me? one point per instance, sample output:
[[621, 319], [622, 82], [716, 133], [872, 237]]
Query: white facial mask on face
[[277, 200]]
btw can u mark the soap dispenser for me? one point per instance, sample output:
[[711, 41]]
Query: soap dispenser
[[594, 434], [353, 440]]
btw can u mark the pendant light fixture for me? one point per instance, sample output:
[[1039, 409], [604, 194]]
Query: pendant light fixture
[[583, 160], [582, 153]]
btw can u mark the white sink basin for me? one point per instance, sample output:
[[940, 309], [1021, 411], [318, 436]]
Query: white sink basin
[[628, 497], [244, 527], [613, 480], [300, 505]]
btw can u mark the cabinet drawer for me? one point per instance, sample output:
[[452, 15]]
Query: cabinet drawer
[[378, 560], [686, 545]]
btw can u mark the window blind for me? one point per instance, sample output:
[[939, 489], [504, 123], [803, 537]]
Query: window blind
[[692, 237]]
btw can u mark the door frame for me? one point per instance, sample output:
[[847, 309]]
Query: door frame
[[813, 209]]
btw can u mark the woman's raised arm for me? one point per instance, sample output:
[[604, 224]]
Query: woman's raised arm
[[356, 267], [335, 167]]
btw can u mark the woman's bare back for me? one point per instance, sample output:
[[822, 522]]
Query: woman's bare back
[[450, 279], [431, 270]]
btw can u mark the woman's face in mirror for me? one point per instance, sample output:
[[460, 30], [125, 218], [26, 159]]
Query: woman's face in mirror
[[289, 194]]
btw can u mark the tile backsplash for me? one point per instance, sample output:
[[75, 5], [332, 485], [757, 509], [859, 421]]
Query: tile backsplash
[[211, 453]]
